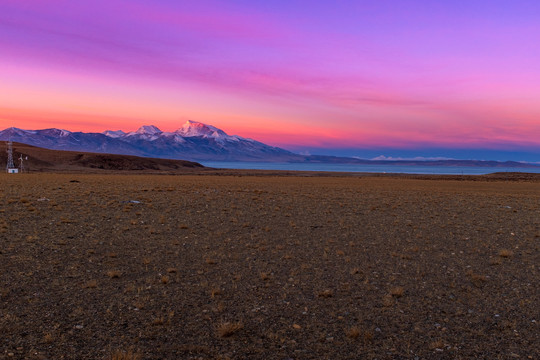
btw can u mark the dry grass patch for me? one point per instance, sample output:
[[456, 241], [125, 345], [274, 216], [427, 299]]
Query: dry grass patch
[[140, 303], [397, 292], [48, 338], [124, 355], [215, 291], [355, 333], [326, 294], [227, 329], [90, 284], [265, 276], [477, 279], [388, 300], [506, 253], [114, 274], [437, 344]]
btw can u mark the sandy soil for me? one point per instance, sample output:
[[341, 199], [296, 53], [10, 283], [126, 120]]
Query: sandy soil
[[263, 267]]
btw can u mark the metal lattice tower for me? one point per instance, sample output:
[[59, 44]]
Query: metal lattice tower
[[10, 164]]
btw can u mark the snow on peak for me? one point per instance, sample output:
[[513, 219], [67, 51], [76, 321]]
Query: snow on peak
[[114, 133], [194, 128], [17, 131], [189, 129], [56, 132], [148, 130]]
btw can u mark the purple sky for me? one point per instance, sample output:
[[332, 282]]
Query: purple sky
[[366, 78]]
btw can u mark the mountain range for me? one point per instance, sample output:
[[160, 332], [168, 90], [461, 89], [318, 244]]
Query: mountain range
[[195, 141]]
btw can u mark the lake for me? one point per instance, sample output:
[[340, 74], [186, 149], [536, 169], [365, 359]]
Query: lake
[[370, 168]]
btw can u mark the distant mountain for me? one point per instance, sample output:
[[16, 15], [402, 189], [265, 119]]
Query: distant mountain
[[114, 134], [449, 163], [196, 141], [193, 141]]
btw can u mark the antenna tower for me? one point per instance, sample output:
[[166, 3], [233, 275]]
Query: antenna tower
[[10, 164]]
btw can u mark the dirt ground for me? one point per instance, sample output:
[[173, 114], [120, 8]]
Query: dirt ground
[[267, 267]]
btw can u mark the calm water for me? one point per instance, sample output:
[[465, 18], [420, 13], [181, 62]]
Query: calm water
[[375, 168]]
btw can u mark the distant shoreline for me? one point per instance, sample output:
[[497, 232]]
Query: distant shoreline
[[376, 168]]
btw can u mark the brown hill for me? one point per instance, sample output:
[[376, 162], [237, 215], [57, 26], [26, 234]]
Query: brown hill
[[41, 160]]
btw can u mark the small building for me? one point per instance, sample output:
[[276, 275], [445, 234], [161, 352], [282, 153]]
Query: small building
[[12, 170]]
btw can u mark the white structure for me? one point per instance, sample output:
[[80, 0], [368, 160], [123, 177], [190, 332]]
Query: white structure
[[10, 167], [21, 165]]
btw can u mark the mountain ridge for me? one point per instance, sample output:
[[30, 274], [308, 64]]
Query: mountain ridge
[[195, 141]]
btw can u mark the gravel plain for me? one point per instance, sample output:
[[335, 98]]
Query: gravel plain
[[268, 267]]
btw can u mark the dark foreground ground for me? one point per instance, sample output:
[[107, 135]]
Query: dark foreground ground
[[263, 267]]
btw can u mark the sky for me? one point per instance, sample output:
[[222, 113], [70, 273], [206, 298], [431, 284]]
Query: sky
[[391, 78]]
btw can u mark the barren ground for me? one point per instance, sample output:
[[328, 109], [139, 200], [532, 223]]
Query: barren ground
[[266, 267]]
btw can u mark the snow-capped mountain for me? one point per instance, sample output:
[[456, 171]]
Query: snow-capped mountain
[[192, 141], [114, 133], [193, 128], [147, 130]]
